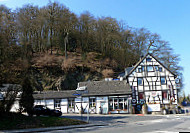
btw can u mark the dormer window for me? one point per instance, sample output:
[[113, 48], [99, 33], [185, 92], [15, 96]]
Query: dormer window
[[148, 59]]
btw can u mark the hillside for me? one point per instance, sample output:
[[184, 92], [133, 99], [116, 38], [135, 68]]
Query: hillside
[[53, 72], [32, 43]]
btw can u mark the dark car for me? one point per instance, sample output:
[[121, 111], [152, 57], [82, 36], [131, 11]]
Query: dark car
[[43, 110]]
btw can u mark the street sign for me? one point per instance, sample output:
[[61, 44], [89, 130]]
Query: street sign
[[76, 94], [177, 81], [134, 100]]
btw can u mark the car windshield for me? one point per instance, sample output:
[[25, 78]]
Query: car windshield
[[44, 107]]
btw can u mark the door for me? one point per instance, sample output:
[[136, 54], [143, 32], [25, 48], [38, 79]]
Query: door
[[103, 108]]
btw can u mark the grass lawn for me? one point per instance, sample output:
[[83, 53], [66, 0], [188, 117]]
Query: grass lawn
[[19, 121]]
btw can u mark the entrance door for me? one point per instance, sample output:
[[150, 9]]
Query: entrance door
[[103, 107]]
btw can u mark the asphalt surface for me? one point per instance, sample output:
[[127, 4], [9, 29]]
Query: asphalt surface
[[121, 123], [137, 124]]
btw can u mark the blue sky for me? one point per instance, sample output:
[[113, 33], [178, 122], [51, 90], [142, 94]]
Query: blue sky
[[168, 18]]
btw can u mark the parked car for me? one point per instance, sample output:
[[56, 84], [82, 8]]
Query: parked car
[[184, 103], [43, 110]]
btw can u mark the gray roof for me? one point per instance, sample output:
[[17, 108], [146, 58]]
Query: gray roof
[[99, 88], [95, 88], [125, 73], [128, 69], [54, 94]]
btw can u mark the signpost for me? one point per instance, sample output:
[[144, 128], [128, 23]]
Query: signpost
[[79, 91]]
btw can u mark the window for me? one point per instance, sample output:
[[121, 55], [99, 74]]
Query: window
[[160, 69], [163, 80], [164, 95], [118, 103], [57, 103], [143, 69], [141, 95], [148, 59], [139, 81], [156, 68], [139, 70], [150, 69], [92, 102]]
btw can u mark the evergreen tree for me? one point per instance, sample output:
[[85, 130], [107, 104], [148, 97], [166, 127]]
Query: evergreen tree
[[27, 99]]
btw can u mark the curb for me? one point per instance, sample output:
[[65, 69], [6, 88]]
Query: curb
[[51, 128]]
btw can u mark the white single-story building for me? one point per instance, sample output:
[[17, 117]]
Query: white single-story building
[[99, 97]]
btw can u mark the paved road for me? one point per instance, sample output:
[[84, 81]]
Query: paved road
[[133, 124]]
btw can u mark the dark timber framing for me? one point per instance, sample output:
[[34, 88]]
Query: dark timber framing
[[151, 70]]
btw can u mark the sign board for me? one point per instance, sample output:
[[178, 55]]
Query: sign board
[[134, 101], [76, 94], [153, 107], [153, 93], [172, 99], [177, 81]]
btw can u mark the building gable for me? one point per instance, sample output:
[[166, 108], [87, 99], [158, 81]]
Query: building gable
[[150, 64], [150, 79]]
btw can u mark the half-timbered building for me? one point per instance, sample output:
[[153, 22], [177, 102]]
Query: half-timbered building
[[152, 83]]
